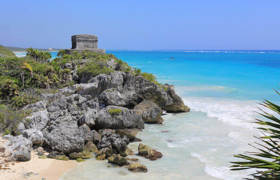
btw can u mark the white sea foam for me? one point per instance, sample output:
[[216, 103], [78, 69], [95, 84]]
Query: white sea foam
[[221, 172], [20, 53], [234, 112], [205, 88]]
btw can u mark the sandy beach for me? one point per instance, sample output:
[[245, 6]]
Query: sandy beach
[[35, 169], [48, 169]]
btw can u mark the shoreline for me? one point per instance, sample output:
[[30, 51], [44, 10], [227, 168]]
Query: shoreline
[[36, 168]]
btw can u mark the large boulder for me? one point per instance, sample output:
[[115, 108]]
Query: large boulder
[[34, 135], [177, 104], [164, 96], [19, 147], [115, 117], [151, 112], [111, 140], [64, 135]]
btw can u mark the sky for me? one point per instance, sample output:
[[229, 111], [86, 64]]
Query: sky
[[143, 24]]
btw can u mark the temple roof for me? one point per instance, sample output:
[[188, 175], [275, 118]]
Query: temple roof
[[85, 36]]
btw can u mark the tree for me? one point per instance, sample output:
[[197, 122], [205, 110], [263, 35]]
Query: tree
[[266, 159], [41, 56]]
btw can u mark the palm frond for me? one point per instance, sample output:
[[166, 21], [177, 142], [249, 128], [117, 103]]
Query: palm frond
[[266, 159]]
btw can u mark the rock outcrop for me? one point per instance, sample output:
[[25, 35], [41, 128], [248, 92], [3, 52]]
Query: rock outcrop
[[151, 112], [101, 115]]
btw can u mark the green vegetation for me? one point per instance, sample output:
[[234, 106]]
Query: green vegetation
[[80, 160], [38, 55], [23, 80], [5, 52], [93, 69], [10, 118], [115, 111], [266, 159]]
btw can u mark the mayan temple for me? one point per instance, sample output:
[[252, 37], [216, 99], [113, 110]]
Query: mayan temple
[[88, 42]]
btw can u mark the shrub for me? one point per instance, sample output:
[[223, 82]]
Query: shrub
[[9, 119], [266, 159], [8, 87], [137, 72], [23, 99], [92, 69], [150, 77], [38, 55], [5, 51], [115, 111]]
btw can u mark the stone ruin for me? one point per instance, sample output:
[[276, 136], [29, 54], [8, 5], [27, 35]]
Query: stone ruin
[[83, 42]]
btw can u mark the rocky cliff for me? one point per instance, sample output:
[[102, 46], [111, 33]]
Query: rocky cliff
[[95, 115]]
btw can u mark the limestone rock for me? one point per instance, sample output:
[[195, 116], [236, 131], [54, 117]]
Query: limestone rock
[[178, 104], [125, 118], [118, 160], [82, 155], [151, 112], [64, 135], [90, 147], [137, 167], [20, 148], [113, 141], [38, 120], [34, 135], [147, 152]]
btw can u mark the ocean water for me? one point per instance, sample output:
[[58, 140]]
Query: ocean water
[[223, 90]]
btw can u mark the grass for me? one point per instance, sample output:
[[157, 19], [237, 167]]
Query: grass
[[114, 111]]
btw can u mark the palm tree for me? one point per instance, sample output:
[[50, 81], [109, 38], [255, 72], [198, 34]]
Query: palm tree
[[266, 159]]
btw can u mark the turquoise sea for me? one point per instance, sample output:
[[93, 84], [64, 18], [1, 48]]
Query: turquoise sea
[[223, 90]]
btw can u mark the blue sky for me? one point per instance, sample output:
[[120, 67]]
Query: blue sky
[[143, 25]]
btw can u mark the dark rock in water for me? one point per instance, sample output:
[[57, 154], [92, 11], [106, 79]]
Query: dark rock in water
[[178, 104], [132, 159], [164, 96], [20, 148], [115, 117], [151, 112], [137, 167], [118, 160], [149, 153]]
